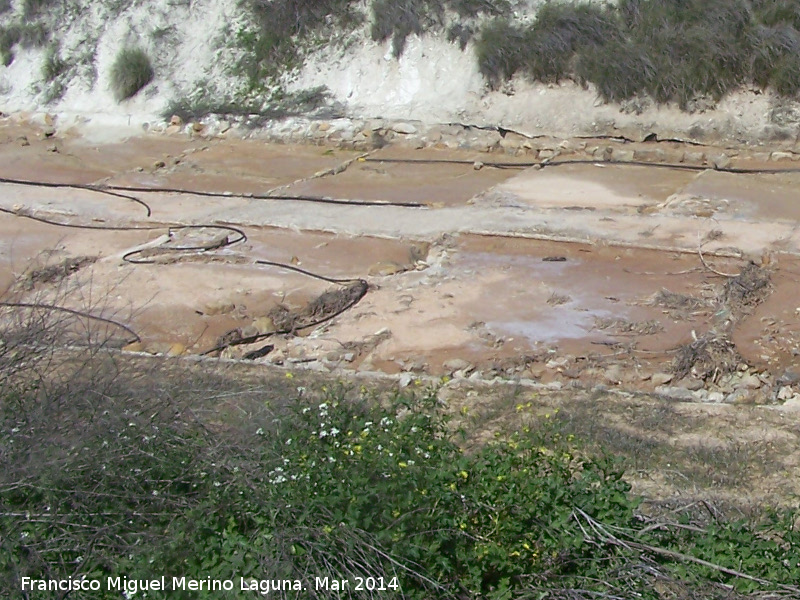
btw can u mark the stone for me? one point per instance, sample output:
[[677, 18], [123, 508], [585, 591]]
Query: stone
[[557, 363], [620, 155], [793, 403], [751, 382], [777, 156], [741, 396], [715, 397], [661, 378], [785, 393], [219, 308], [23, 141], [175, 121], [650, 155], [693, 158], [692, 384], [349, 356], [456, 364], [264, 325], [675, 393], [176, 349], [547, 154], [385, 269], [477, 165], [159, 164], [48, 132], [404, 128], [405, 380], [52, 148], [173, 129], [249, 331], [134, 347], [721, 161], [198, 127]]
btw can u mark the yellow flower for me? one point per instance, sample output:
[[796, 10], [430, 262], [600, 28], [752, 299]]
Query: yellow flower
[[462, 526], [453, 486], [402, 464], [463, 474], [501, 478], [289, 375], [357, 448], [526, 546], [519, 407], [464, 411], [327, 529]]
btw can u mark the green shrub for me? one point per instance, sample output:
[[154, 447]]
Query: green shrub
[[9, 36], [671, 50], [498, 50], [398, 19], [31, 9], [130, 72], [5, 6], [53, 65], [620, 69], [274, 41]]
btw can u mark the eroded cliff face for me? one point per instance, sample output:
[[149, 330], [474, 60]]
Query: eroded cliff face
[[60, 57]]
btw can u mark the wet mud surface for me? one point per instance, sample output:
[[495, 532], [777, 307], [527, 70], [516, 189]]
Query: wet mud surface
[[589, 274]]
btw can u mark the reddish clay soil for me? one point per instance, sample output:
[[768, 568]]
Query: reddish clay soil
[[479, 281]]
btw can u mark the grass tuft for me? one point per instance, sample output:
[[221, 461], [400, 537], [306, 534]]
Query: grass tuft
[[130, 72]]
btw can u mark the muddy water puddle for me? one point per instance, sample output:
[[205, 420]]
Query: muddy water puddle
[[597, 186], [575, 296]]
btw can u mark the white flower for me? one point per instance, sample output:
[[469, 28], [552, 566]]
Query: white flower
[[323, 433], [289, 442], [306, 409], [334, 431], [217, 484], [260, 431]]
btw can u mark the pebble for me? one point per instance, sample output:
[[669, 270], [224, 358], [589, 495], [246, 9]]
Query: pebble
[[661, 378], [675, 393], [751, 382], [785, 393], [456, 364]]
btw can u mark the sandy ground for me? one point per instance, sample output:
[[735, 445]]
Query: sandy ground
[[545, 274]]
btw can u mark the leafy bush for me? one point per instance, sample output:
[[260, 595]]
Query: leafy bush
[[53, 65], [27, 36], [274, 41], [333, 485], [499, 51], [398, 19], [31, 9], [5, 6], [130, 72]]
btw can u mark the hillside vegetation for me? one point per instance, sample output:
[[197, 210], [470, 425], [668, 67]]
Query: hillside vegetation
[[112, 466], [682, 51]]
